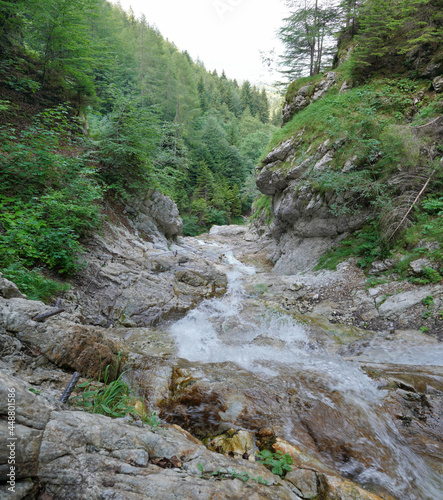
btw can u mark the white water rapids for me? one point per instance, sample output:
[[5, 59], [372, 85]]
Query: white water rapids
[[275, 348]]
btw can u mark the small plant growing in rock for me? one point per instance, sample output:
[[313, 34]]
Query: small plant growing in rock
[[113, 399], [152, 420], [428, 301], [278, 463]]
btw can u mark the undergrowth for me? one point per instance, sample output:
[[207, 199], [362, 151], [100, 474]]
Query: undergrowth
[[49, 199], [262, 206], [366, 245], [112, 399], [369, 131]]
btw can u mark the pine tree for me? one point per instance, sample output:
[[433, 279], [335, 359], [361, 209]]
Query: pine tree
[[263, 111], [307, 37], [246, 97]]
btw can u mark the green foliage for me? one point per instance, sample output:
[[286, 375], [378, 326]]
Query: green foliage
[[190, 225], [152, 420], [47, 198], [33, 283], [113, 399], [428, 275], [262, 205], [433, 206], [128, 138], [307, 36], [278, 463], [408, 28], [428, 301], [365, 244], [155, 117], [29, 239]]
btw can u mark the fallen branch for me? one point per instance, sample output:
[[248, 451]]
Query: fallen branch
[[70, 387], [41, 317], [412, 206]]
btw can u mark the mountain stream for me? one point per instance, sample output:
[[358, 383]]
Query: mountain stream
[[241, 364]]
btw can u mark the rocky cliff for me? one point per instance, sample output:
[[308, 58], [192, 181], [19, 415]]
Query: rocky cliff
[[136, 275], [334, 161]]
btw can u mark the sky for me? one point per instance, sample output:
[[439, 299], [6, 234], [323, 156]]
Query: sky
[[224, 34]]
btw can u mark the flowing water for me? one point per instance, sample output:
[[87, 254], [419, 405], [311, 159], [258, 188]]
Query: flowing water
[[313, 397]]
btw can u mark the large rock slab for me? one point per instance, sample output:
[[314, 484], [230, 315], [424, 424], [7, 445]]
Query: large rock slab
[[155, 214], [91, 456], [67, 344], [401, 302], [28, 414], [129, 282]]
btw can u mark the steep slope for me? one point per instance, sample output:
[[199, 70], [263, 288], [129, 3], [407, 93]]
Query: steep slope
[[352, 160]]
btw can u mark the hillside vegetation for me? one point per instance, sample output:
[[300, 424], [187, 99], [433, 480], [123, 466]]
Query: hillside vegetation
[[96, 104], [382, 117]]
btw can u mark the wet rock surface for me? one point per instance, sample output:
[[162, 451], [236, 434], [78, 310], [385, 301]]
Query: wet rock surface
[[280, 364]]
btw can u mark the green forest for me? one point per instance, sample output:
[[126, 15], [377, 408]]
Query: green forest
[[97, 104]]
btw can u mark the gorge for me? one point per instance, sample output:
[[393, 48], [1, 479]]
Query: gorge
[[248, 295]]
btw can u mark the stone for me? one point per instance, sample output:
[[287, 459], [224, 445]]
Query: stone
[[324, 161], [233, 441], [230, 230], [31, 413], [346, 85], [280, 152], [130, 283], [301, 100], [308, 483], [92, 456], [270, 181], [350, 164], [437, 83], [68, 345], [9, 290], [433, 69], [416, 267], [324, 86], [341, 489], [22, 490], [399, 303], [156, 214], [380, 266]]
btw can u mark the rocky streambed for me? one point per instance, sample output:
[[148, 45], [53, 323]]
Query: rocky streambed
[[234, 358]]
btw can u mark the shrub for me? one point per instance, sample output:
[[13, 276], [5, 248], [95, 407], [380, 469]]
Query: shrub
[[33, 283]]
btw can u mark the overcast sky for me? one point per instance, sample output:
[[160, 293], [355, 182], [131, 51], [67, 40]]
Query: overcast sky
[[224, 34]]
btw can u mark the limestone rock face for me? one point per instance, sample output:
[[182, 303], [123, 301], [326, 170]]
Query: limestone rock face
[[304, 223], [132, 282], [308, 94], [31, 414], [91, 456], [67, 344], [156, 215]]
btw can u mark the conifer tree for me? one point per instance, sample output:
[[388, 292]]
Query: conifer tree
[[307, 38]]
